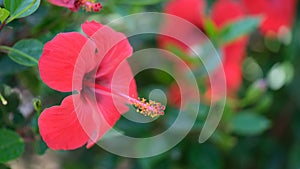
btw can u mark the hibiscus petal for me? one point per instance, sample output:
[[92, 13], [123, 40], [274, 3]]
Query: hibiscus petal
[[109, 115], [63, 3], [60, 127], [113, 47], [59, 58], [110, 106], [90, 27]]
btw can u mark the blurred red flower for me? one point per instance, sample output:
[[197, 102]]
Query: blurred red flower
[[276, 14], [86, 65], [222, 13], [74, 5], [174, 96], [191, 10]]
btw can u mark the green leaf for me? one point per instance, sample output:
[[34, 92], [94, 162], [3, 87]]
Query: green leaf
[[182, 54], [254, 92], [25, 52], [3, 166], [21, 8], [40, 146], [11, 145], [9, 67], [4, 13], [280, 75], [294, 157], [248, 123], [210, 28], [204, 156], [234, 30]]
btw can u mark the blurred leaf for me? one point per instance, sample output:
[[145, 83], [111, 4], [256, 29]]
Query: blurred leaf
[[210, 28], [251, 69], [40, 146], [11, 145], [30, 79], [25, 52], [9, 67], [155, 162], [294, 157], [254, 92], [240, 28], [264, 103], [34, 123], [182, 54], [223, 140], [3, 166], [272, 44], [248, 123], [18, 119], [205, 156], [21, 8], [280, 74], [4, 13]]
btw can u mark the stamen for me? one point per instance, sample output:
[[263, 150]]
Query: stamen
[[144, 107], [151, 108], [3, 100]]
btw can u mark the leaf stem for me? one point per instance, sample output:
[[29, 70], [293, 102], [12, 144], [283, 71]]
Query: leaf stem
[[20, 53]]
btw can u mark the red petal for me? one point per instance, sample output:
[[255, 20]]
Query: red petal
[[226, 11], [174, 95], [60, 128], [275, 13], [109, 115], [191, 10], [113, 47], [89, 28], [63, 3], [59, 58], [120, 81], [236, 51], [233, 75]]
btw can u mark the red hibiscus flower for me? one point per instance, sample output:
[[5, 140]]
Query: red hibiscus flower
[[74, 5], [276, 14], [94, 67], [224, 12], [192, 11]]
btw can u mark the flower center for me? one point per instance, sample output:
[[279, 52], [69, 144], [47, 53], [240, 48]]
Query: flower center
[[147, 108]]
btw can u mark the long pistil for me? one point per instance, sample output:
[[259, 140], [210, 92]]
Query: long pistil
[[147, 108]]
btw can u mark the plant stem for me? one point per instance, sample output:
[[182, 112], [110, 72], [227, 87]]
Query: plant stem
[[2, 25]]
